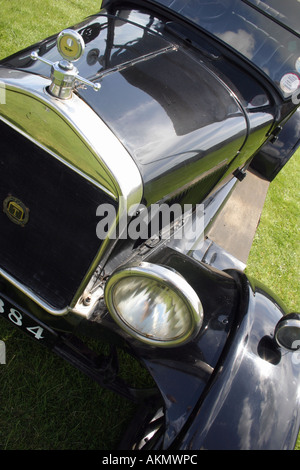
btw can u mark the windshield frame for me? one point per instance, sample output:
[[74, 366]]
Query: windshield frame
[[281, 88]]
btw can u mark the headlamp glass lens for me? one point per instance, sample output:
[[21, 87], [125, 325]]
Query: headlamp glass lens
[[151, 308]]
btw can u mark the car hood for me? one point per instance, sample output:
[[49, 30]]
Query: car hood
[[179, 121]]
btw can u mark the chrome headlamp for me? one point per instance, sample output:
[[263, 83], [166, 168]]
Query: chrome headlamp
[[154, 304]]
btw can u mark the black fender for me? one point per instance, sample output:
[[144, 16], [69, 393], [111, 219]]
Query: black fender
[[272, 157], [253, 401], [232, 387]]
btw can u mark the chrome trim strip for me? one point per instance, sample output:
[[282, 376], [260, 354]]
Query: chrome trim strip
[[31, 295], [109, 160]]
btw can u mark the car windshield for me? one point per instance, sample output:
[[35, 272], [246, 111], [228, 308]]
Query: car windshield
[[259, 30], [286, 13]]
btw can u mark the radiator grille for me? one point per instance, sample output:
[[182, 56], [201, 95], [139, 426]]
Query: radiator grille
[[51, 254]]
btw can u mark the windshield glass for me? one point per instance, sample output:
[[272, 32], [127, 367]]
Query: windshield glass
[[261, 38], [284, 12]]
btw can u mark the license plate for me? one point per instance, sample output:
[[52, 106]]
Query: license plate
[[26, 322]]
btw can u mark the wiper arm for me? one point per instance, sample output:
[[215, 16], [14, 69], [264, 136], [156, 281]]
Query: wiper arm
[[130, 63]]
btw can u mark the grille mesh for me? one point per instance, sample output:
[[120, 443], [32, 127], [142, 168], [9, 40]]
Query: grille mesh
[[51, 254]]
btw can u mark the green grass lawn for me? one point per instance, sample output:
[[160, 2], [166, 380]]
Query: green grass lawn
[[45, 403], [275, 253], [24, 22]]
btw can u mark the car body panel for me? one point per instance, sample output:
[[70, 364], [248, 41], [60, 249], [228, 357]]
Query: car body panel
[[246, 395], [248, 404], [179, 116], [140, 70], [274, 155], [259, 35]]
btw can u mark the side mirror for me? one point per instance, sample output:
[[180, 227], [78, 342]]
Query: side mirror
[[287, 332]]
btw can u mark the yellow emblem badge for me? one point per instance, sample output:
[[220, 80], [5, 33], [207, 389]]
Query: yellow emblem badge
[[70, 45], [16, 210]]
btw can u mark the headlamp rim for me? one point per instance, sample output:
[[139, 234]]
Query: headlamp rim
[[164, 275]]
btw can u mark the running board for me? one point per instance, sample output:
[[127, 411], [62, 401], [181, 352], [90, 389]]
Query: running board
[[235, 227]]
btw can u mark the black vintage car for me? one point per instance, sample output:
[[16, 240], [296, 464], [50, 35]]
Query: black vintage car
[[136, 152]]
